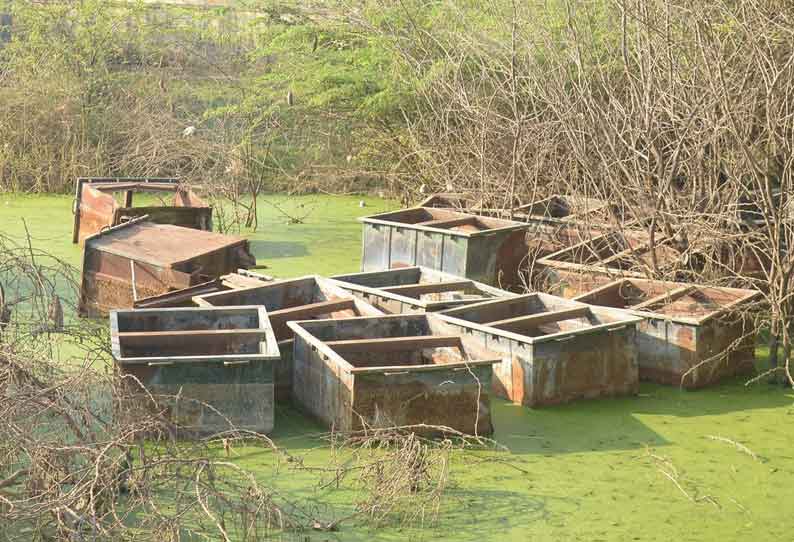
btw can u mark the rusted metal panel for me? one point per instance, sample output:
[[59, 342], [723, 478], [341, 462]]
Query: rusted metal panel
[[301, 298], [452, 200], [139, 259], [5, 28], [210, 369], [180, 298], [96, 208], [416, 289], [376, 247], [402, 247], [429, 252], [445, 240], [392, 370], [553, 350], [685, 327], [199, 218], [597, 261]]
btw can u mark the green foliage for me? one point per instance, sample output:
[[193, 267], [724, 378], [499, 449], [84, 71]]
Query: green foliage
[[297, 89]]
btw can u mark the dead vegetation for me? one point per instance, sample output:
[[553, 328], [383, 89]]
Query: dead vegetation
[[676, 114], [78, 463]]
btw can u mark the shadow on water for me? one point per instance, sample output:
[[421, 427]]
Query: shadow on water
[[582, 426], [277, 249], [478, 514], [733, 395], [614, 424]]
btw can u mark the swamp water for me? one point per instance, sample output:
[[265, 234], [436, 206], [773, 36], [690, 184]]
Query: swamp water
[[591, 470]]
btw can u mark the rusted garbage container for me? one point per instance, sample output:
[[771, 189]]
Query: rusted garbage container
[[399, 370], [211, 370], [553, 350], [485, 249], [690, 335]]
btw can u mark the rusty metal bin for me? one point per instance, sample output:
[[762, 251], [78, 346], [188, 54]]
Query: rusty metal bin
[[96, 208], [687, 329], [219, 362], [597, 261], [416, 289], [553, 224], [293, 299], [554, 350], [485, 249], [140, 259], [398, 370]]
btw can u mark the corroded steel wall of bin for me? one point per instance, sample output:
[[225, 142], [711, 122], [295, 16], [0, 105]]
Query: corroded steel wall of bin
[[691, 335], [136, 260], [322, 388], [441, 398], [209, 370], [600, 364], [210, 394], [493, 259], [572, 283], [107, 282], [96, 208], [330, 389], [388, 246], [714, 350]]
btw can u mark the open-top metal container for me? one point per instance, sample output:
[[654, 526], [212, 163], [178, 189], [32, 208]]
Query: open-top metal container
[[553, 350], [96, 208], [416, 289], [398, 370], [554, 223], [485, 249], [301, 298], [690, 335], [599, 260], [217, 361]]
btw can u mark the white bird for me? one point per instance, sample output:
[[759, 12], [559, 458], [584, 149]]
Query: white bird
[[362, 203], [422, 189], [189, 131]]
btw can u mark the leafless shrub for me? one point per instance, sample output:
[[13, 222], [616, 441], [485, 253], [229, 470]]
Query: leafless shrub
[[85, 456], [675, 113]]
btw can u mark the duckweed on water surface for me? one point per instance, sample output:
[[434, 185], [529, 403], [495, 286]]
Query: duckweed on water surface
[[715, 464]]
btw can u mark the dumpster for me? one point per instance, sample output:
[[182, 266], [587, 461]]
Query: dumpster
[[293, 299], [690, 335], [599, 260], [219, 362], [485, 249], [553, 350], [398, 370], [140, 259], [97, 208], [416, 289]]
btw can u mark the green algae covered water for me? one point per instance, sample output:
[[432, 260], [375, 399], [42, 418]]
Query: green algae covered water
[[715, 464]]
